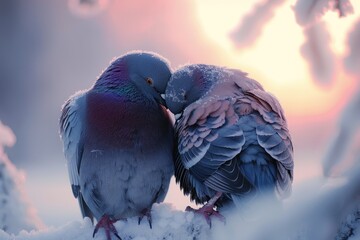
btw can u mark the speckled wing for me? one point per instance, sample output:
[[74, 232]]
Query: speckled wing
[[208, 140], [71, 130]]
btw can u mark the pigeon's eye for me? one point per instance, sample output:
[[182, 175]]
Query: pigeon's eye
[[149, 81]]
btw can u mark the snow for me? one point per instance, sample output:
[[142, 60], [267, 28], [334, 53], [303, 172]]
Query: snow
[[348, 128], [317, 47], [314, 212], [317, 51], [352, 60], [323, 208], [308, 11], [350, 227], [343, 7], [167, 224], [13, 199], [252, 24]]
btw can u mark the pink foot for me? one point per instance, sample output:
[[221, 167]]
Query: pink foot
[[146, 213], [208, 210], [108, 225]]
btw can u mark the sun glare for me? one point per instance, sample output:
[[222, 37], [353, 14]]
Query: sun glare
[[219, 18], [275, 59]]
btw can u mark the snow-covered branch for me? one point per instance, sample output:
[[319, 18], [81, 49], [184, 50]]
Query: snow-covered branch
[[253, 23], [352, 60], [316, 50], [309, 11], [343, 7]]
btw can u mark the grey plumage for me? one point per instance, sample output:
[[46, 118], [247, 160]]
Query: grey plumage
[[118, 139], [232, 136]]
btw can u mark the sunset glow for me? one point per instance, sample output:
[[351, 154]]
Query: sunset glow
[[275, 59], [52, 49]]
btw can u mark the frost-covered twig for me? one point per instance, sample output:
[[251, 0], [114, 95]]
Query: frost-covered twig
[[316, 49], [318, 53], [309, 11], [343, 7], [352, 60], [252, 24]]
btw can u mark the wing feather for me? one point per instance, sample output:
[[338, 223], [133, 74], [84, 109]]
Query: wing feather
[[274, 135], [217, 135], [219, 140], [71, 130]]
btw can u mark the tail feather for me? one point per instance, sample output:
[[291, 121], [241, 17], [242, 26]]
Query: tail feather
[[85, 210]]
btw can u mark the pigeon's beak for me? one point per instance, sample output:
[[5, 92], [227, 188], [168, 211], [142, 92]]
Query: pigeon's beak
[[177, 116], [159, 97], [162, 100]]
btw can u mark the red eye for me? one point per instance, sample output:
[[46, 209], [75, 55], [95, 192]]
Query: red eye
[[149, 81]]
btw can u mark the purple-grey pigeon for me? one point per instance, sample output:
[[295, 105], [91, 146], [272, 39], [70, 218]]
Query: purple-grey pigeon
[[118, 141], [232, 136]]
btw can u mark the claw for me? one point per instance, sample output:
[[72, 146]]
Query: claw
[[146, 212], [208, 210], [219, 216], [108, 225]]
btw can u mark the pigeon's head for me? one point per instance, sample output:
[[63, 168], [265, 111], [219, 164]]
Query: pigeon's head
[[150, 68], [149, 71], [188, 84]]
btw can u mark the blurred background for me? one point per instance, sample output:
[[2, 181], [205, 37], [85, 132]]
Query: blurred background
[[307, 55]]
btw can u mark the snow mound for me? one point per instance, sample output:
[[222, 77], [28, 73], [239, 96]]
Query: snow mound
[[167, 224], [350, 226], [305, 218]]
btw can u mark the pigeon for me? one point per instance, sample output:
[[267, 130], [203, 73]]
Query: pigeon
[[233, 143], [118, 140]]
